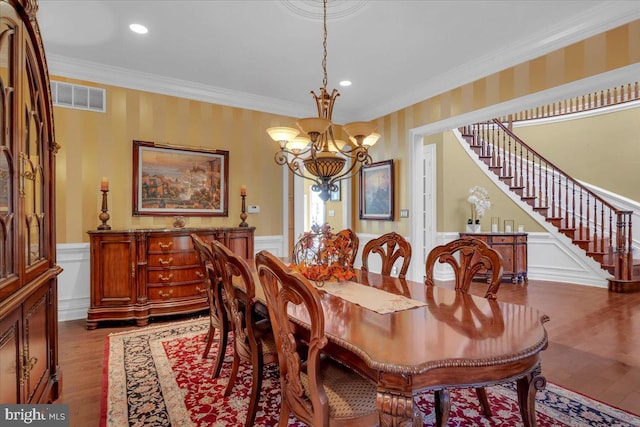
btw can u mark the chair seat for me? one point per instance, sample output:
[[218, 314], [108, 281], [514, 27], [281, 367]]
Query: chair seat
[[350, 395]]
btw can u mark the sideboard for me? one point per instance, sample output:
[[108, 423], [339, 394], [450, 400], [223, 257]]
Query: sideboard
[[513, 249], [138, 274]]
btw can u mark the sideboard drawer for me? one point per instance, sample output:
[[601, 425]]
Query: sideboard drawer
[[171, 260], [165, 293]]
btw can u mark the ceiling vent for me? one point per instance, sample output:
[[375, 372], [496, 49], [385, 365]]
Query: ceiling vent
[[78, 96]]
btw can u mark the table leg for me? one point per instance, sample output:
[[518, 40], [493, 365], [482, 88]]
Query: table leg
[[527, 388], [397, 410]]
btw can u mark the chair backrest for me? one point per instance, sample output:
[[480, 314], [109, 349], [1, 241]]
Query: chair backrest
[[467, 256], [283, 287], [390, 247], [239, 304], [213, 273], [349, 240]]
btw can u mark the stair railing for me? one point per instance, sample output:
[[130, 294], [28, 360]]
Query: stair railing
[[592, 223], [604, 98]]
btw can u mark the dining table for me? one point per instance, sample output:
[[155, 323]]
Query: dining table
[[409, 338]]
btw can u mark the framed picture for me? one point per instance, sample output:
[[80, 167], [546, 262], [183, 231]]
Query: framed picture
[[376, 191], [336, 195], [171, 180]]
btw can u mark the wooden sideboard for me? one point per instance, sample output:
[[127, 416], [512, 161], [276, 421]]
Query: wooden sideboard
[[138, 274], [513, 249]]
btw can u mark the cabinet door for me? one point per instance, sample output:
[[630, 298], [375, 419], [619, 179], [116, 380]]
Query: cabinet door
[[241, 242], [10, 354], [113, 270], [35, 354]]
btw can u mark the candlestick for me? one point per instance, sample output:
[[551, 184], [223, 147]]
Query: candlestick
[[243, 215], [104, 184], [243, 190], [104, 215]]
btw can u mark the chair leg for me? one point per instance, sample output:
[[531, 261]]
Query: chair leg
[[284, 414], [212, 332], [234, 374], [256, 386], [442, 405], [222, 349], [484, 402]]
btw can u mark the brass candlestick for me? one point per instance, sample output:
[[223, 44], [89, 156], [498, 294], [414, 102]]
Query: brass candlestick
[[243, 215], [104, 215]]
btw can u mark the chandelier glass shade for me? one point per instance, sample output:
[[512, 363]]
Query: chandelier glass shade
[[312, 147]]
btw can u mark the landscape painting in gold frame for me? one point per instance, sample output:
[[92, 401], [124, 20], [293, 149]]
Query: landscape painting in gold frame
[[175, 180]]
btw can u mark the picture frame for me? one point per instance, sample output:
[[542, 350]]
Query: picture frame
[[175, 180], [336, 196], [377, 191]]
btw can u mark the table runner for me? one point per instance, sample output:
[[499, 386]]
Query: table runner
[[374, 299]]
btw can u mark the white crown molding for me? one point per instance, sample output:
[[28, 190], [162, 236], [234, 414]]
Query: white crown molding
[[594, 21], [115, 76]]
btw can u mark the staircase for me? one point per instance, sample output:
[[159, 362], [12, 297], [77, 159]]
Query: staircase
[[597, 227]]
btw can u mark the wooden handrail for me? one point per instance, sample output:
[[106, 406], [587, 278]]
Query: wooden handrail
[[592, 223], [604, 98]]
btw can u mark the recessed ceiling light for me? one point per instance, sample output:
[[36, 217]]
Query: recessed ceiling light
[[345, 83], [138, 28]]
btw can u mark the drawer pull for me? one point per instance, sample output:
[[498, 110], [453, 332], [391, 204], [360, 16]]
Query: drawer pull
[[165, 278], [200, 274], [166, 294], [167, 262], [165, 247], [201, 290]]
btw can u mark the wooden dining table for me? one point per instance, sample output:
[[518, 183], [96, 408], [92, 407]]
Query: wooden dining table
[[452, 340]]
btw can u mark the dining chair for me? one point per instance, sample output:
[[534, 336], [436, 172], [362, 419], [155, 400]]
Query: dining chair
[[318, 391], [467, 256], [390, 247], [218, 319], [349, 240], [253, 341]]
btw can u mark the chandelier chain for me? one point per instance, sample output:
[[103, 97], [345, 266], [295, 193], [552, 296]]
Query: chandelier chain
[[324, 46]]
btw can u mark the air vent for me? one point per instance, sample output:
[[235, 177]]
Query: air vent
[[78, 96]]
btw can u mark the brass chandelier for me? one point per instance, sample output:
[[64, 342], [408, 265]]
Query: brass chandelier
[[319, 153]]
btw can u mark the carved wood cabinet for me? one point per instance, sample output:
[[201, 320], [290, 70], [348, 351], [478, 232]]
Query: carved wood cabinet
[[513, 249], [29, 371], [139, 274]]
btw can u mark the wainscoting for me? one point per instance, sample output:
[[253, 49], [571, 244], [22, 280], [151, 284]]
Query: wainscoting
[[549, 260]]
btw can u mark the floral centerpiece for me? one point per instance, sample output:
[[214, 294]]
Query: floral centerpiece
[[479, 200], [320, 255]]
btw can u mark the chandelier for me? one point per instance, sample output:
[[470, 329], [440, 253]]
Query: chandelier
[[319, 153]]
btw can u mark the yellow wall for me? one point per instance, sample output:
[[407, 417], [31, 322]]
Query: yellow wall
[[598, 54], [96, 145], [613, 161]]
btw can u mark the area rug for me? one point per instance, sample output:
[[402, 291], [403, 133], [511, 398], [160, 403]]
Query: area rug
[[156, 376]]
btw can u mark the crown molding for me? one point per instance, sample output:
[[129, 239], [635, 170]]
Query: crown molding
[[596, 20], [115, 76]]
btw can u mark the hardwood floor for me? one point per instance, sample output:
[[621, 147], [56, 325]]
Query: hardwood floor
[[594, 346]]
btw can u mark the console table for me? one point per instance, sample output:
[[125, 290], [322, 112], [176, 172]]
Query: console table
[[513, 249], [137, 274]]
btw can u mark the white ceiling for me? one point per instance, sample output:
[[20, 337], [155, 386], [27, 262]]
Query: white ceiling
[[264, 55]]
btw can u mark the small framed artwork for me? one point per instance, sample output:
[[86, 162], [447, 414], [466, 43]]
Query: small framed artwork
[[376, 191], [336, 195], [172, 180]]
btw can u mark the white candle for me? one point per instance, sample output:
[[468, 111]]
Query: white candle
[[494, 228], [507, 229], [520, 228]]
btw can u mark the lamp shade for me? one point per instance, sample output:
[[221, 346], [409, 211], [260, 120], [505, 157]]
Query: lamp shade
[[280, 134], [371, 139], [336, 145], [311, 125], [298, 143], [356, 129]]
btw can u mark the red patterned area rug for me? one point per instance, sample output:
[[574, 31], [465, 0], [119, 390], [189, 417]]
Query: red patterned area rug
[[156, 376]]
